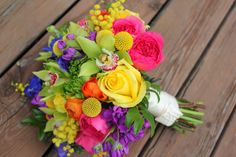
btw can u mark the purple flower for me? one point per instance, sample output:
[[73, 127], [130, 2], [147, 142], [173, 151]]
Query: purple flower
[[60, 151], [49, 48], [92, 36], [70, 36], [61, 44], [37, 101], [34, 87], [122, 135], [64, 65], [69, 53]]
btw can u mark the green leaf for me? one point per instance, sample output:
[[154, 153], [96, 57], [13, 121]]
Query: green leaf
[[50, 39], [90, 48], [131, 115], [44, 56], [156, 87], [59, 116], [124, 55], [41, 134], [47, 110], [35, 111], [107, 42], [29, 121], [73, 43], [77, 30], [89, 68], [138, 124], [63, 29], [52, 29], [148, 116], [49, 125], [42, 74]]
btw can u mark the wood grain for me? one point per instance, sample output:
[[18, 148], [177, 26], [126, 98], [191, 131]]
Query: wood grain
[[22, 71], [187, 27], [22, 21], [215, 84], [226, 146]]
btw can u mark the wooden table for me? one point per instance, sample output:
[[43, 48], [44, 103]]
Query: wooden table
[[200, 64]]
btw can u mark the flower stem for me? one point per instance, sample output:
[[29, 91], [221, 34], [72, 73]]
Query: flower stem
[[196, 113], [192, 120]]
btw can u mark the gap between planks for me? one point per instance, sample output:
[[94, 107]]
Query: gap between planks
[[192, 76], [25, 71], [35, 40]]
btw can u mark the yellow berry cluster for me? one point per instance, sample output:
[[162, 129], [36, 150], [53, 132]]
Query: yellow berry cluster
[[19, 87], [66, 132], [100, 154], [103, 19]]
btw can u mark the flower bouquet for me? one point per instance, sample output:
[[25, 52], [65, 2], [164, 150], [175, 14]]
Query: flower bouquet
[[93, 93]]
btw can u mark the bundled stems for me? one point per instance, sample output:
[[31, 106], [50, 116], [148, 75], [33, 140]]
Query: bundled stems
[[191, 117]]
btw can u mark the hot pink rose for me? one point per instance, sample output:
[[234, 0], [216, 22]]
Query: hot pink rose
[[147, 52], [92, 131], [130, 24]]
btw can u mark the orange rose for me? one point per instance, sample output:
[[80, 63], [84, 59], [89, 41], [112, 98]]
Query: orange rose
[[74, 107], [91, 89]]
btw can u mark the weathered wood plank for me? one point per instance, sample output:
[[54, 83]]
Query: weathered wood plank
[[226, 146], [23, 72], [22, 21], [15, 106], [215, 84], [187, 27]]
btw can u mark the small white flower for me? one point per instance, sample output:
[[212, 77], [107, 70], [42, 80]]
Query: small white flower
[[166, 110]]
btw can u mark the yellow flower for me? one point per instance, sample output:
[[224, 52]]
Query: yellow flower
[[123, 41], [124, 86]]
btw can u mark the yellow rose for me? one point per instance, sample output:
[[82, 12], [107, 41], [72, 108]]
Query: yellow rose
[[124, 86]]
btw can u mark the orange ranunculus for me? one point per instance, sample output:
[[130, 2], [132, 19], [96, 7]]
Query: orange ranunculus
[[91, 89], [74, 107]]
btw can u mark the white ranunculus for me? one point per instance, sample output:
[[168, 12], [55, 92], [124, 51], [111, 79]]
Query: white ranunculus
[[166, 111]]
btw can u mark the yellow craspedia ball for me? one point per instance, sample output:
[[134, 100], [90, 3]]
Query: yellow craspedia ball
[[123, 41], [91, 107]]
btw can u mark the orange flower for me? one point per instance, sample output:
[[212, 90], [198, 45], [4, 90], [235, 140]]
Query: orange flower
[[74, 107], [91, 89]]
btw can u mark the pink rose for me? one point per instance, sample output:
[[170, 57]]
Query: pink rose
[[92, 131], [147, 52], [130, 24]]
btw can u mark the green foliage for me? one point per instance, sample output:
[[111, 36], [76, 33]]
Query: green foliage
[[38, 119], [43, 56], [64, 29], [89, 68], [75, 65], [77, 148], [150, 79], [52, 29], [125, 55], [137, 115], [73, 87], [134, 117], [89, 47], [77, 30]]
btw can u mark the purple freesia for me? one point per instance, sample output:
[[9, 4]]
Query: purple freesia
[[61, 44], [92, 36], [37, 101], [70, 36], [34, 87], [122, 135], [68, 54]]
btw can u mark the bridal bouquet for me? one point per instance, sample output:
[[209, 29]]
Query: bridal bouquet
[[93, 92]]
